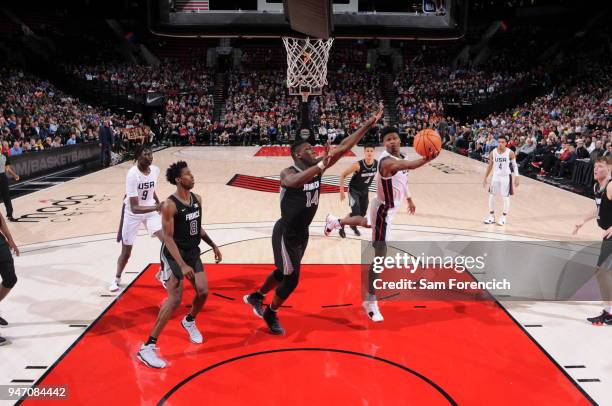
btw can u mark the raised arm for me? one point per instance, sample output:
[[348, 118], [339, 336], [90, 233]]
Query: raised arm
[[352, 140], [389, 167], [291, 179]]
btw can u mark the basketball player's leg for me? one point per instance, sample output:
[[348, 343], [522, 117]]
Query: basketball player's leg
[[129, 231], [255, 299], [174, 287], [603, 274], [126, 253], [506, 192], [357, 218], [9, 279], [148, 351], [200, 285], [288, 255], [7, 271], [380, 219], [357, 209], [154, 228], [292, 252], [494, 190], [604, 279]]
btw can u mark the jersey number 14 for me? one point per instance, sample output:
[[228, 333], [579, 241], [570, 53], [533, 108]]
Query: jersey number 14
[[312, 199]]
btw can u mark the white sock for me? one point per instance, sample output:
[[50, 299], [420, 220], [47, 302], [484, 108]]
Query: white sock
[[506, 205], [117, 279], [609, 309], [370, 298], [491, 204]]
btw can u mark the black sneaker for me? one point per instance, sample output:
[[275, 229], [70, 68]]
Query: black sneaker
[[11, 218], [603, 318], [271, 320], [342, 232], [3, 323], [255, 300], [356, 231], [2, 341]]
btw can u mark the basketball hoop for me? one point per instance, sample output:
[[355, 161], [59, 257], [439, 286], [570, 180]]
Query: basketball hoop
[[307, 65]]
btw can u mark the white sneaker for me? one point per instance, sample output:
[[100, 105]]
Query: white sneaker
[[194, 334], [148, 356], [502, 221], [371, 309], [331, 223], [490, 219], [114, 286]]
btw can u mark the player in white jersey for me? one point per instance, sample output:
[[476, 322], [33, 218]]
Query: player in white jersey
[[141, 206], [392, 190], [502, 162]]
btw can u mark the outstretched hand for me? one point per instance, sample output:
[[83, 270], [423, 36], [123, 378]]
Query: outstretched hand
[[432, 156], [379, 113]]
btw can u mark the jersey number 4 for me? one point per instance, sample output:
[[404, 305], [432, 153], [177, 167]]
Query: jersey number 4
[[312, 200]]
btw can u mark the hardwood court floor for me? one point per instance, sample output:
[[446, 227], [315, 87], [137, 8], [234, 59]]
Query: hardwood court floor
[[67, 237]]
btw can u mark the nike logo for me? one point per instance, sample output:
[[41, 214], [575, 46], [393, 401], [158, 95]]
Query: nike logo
[[154, 99]]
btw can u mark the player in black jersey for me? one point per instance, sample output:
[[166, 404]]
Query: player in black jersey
[[7, 267], [603, 213], [300, 185], [180, 258], [363, 172]]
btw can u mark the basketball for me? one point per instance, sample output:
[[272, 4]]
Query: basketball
[[427, 141]]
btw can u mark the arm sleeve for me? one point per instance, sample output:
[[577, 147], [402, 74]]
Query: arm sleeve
[[515, 170], [131, 185]]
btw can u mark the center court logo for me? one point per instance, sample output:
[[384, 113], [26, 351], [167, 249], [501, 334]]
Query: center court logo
[[62, 210]]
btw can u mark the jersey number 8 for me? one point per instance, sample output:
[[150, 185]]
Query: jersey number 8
[[193, 227]]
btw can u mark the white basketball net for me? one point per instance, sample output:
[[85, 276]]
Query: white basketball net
[[307, 65]]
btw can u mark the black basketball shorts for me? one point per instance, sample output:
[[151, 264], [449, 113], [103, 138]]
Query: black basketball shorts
[[288, 248], [170, 266], [358, 202]]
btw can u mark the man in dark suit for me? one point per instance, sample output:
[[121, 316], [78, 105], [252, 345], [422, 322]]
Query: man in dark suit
[[105, 140]]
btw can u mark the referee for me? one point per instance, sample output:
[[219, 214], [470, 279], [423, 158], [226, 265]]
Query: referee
[[5, 167]]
